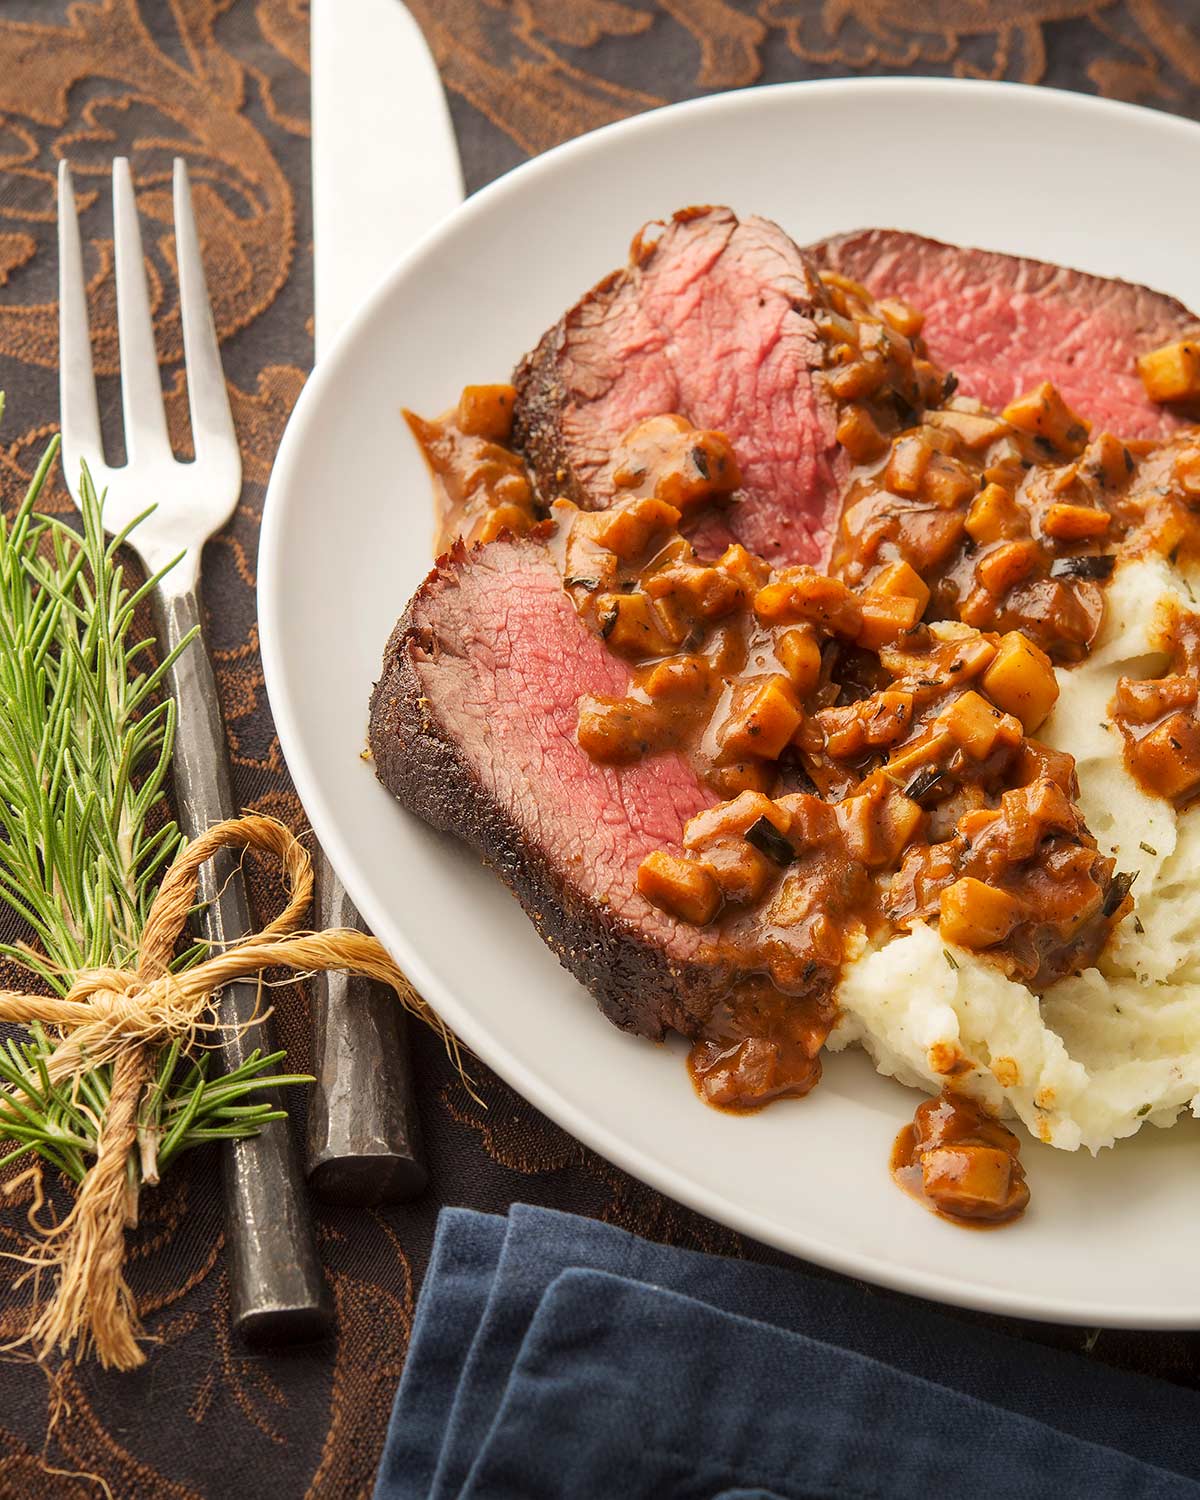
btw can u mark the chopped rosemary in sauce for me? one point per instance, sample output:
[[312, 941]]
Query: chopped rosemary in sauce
[[768, 840]]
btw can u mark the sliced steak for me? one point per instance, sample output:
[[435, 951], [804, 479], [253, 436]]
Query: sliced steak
[[473, 728], [712, 320], [1003, 324]]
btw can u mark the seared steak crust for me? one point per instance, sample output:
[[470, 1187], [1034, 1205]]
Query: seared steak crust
[[463, 738]]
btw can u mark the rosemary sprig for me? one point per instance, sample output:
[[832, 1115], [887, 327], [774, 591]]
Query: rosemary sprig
[[85, 748], [61, 1122]]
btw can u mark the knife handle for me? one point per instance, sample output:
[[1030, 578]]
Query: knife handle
[[277, 1292], [364, 1133]]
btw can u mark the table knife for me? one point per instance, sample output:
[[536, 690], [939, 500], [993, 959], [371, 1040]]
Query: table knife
[[376, 98]]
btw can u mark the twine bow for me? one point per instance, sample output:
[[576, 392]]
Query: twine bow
[[123, 1017]]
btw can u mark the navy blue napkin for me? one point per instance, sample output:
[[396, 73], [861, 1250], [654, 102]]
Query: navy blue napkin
[[553, 1355]]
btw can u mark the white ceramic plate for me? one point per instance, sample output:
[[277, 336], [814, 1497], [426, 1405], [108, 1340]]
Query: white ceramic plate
[[346, 538]]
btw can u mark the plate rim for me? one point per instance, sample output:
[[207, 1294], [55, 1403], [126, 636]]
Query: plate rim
[[543, 1095]]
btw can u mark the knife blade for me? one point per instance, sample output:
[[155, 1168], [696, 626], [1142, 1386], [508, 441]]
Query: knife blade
[[377, 99], [375, 90]]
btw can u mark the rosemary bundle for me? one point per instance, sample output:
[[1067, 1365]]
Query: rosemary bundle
[[85, 748], [111, 1078]]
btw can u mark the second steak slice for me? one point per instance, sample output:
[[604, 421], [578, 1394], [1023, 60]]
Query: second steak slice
[[1003, 323], [712, 320]]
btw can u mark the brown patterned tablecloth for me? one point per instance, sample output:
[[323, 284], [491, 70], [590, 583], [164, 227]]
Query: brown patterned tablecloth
[[225, 83]]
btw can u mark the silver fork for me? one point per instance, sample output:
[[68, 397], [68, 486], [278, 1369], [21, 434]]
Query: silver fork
[[276, 1286]]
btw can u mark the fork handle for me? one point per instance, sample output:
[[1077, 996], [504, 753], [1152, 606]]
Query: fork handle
[[277, 1292], [364, 1134]]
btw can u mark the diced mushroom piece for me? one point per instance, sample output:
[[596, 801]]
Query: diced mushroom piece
[[973, 653], [1172, 372], [923, 751], [886, 717], [706, 470], [976, 915], [1075, 523], [734, 817], [802, 594], [1168, 758], [899, 821], [513, 489], [906, 467], [959, 655], [1038, 762], [877, 824], [746, 775], [1108, 460], [487, 411], [630, 626], [645, 447], [967, 1181], [626, 527], [843, 730], [875, 721], [955, 1119], [709, 591], [994, 515], [837, 330], [811, 821], [836, 283], [926, 538], [768, 719], [1043, 413], [502, 518], [901, 579], [799, 654], [859, 435], [587, 566], [947, 483], [747, 569], [1142, 701], [669, 459], [724, 836], [741, 871], [974, 430], [1004, 566], [858, 379], [978, 726], [683, 888], [857, 820], [1021, 680], [885, 618], [745, 1074], [674, 620], [616, 732], [906, 320], [679, 677]]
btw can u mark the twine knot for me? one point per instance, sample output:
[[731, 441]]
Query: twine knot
[[123, 1017]]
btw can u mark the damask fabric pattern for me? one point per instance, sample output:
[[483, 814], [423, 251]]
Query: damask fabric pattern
[[225, 83]]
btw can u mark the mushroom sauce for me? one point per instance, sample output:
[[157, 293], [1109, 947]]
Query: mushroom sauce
[[869, 734]]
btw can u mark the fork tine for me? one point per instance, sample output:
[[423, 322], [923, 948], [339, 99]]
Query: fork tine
[[76, 381], [141, 388], [208, 398]]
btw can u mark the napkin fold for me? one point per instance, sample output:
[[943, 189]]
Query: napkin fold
[[557, 1356]]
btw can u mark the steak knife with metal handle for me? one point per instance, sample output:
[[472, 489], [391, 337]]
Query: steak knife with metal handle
[[385, 169]]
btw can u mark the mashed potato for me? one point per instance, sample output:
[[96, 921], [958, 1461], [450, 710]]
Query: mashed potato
[[1102, 1053]]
